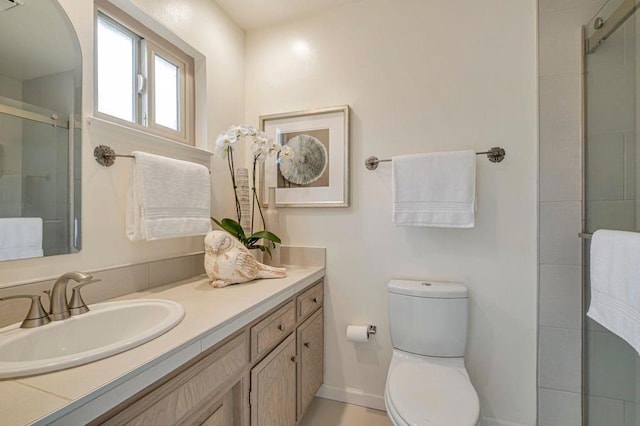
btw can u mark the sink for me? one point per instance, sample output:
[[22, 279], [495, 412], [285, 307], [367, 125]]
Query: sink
[[107, 329]]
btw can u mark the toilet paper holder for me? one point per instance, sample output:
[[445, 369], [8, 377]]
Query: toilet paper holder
[[371, 330]]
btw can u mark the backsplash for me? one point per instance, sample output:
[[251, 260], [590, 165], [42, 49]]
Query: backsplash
[[115, 282]]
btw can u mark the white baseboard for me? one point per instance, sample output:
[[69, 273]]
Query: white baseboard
[[352, 396], [488, 421]]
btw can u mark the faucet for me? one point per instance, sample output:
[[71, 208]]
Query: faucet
[[59, 308]]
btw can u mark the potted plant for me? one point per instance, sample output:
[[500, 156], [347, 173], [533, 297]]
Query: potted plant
[[261, 147]]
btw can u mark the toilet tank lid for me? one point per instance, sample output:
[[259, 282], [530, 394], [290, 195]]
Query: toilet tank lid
[[428, 289]]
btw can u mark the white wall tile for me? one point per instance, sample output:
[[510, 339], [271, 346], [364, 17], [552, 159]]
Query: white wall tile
[[557, 408], [605, 411], [619, 215], [559, 40], [560, 359], [560, 170], [605, 155], [631, 413], [592, 6], [560, 106], [561, 296], [559, 228], [611, 366]]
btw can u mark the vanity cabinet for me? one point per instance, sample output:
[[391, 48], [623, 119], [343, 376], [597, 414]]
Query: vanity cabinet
[[273, 387], [266, 374], [310, 340]]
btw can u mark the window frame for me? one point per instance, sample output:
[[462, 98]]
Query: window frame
[[149, 43]]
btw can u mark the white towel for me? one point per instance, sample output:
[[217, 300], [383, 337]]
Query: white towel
[[167, 198], [437, 189], [20, 237], [615, 283]]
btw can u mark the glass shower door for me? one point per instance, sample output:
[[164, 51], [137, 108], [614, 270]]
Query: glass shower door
[[611, 367]]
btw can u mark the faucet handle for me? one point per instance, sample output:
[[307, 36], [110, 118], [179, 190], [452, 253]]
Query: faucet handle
[[37, 316], [77, 305]]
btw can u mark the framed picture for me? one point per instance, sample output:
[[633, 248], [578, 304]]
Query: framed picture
[[315, 170]]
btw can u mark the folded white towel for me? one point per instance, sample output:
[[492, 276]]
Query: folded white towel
[[20, 238], [615, 283], [437, 189], [167, 198]]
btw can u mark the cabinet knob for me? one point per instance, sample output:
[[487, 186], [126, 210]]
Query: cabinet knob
[[315, 300], [306, 344], [281, 327], [294, 358]]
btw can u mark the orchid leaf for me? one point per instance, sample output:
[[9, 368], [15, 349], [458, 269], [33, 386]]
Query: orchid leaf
[[267, 236]]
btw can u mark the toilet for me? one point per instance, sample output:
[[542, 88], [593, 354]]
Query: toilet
[[427, 383]]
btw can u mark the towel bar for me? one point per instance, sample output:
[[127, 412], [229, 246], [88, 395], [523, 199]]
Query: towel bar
[[585, 235], [495, 155], [106, 156]]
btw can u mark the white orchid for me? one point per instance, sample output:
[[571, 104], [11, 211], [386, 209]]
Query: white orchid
[[285, 152]]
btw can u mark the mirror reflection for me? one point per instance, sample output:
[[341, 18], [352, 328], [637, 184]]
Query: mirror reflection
[[40, 100]]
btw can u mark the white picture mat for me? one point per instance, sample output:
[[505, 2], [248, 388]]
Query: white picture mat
[[335, 192]]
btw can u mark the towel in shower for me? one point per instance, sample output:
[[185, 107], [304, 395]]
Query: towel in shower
[[615, 283], [436, 189], [167, 198], [20, 237]]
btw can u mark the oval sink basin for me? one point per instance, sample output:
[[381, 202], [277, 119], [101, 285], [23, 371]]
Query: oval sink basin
[[107, 329]]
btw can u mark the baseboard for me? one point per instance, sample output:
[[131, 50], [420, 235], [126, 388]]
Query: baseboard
[[488, 421], [352, 396]]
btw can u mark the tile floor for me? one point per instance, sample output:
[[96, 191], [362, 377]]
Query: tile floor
[[324, 412]]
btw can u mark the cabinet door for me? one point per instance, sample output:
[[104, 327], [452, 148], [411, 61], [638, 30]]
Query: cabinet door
[[273, 387], [311, 359]]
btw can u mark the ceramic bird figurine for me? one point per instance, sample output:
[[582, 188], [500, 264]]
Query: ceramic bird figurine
[[227, 261]]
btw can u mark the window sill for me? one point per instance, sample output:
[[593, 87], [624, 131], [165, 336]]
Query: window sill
[[124, 139]]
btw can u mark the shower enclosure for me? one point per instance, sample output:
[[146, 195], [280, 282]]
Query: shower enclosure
[[611, 368]]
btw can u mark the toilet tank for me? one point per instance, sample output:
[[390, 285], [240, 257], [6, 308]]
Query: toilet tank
[[428, 318]]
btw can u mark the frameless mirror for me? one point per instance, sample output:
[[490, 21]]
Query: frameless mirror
[[40, 110]]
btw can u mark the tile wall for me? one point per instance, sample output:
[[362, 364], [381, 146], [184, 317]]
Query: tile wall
[[560, 288]]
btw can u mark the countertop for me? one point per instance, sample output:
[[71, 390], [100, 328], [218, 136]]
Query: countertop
[[79, 394]]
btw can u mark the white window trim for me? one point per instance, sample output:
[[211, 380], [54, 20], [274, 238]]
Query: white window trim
[[155, 43]]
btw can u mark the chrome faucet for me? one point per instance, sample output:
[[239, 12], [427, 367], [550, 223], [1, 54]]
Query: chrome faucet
[[59, 307]]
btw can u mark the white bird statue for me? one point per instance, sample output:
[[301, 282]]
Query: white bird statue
[[227, 261]]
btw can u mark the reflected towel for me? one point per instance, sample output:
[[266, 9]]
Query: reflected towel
[[437, 189], [615, 283], [167, 198], [20, 237]]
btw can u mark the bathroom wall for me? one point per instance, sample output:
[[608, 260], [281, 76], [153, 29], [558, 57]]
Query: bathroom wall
[[560, 297], [420, 77], [210, 32]]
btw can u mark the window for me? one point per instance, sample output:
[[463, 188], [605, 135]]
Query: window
[[142, 80]]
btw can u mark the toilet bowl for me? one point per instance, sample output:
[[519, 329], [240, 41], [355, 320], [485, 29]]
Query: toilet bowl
[[430, 391], [427, 382]]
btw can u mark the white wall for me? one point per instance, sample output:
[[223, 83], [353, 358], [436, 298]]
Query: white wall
[[420, 77], [207, 29]]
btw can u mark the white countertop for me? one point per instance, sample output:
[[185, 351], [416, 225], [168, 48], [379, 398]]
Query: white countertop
[[79, 394]]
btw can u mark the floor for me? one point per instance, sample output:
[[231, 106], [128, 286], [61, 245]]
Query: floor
[[324, 412]]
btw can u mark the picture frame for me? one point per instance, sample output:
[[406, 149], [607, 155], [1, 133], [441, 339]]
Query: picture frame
[[312, 170]]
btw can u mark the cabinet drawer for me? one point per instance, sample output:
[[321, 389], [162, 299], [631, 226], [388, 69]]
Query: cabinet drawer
[[190, 390], [271, 330], [310, 300]]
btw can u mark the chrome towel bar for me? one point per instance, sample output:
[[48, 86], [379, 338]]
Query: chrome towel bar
[[106, 156], [495, 155], [585, 235]]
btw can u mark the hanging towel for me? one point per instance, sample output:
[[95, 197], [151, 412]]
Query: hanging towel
[[615, 283], [20, 238], [437, 189], [167, 198]]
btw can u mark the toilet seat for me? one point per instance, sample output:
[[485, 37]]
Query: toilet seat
[[430, 391]]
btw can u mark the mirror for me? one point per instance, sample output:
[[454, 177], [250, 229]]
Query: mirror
[[40, 137]]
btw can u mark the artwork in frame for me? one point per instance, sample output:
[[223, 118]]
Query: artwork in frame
[[314, 170]]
